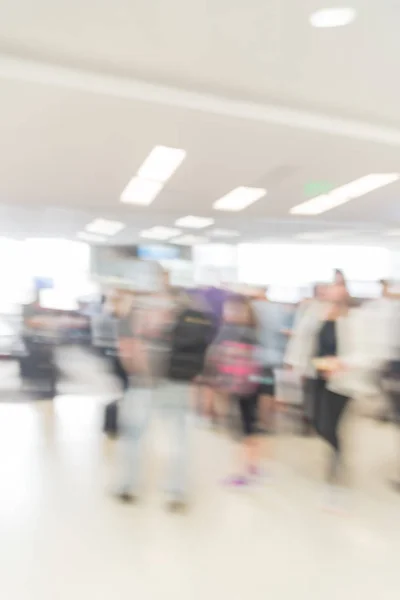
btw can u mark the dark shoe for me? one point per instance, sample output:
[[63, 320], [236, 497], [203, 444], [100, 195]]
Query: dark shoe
[[395, 483], [126, 498], [177, 506]]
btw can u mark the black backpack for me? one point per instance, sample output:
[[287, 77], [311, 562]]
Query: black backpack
[[189, 339]]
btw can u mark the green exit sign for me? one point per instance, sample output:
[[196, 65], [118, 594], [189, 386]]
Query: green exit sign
[[317, 188]]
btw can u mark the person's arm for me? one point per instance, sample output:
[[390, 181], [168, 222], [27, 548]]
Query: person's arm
[[125, 353], [131, 347]]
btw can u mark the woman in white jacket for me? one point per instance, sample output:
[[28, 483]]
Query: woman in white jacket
[[326, 348], [299, 350]]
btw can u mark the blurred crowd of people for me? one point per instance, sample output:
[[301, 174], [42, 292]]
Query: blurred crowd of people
[[216, 354]]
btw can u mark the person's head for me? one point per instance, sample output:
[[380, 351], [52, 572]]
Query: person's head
[[238, 311], [339, 278], [338, 296]]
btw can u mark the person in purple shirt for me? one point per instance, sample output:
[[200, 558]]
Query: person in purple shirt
[[214, 300]]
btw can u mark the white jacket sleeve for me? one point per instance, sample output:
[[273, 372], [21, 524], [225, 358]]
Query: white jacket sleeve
[[301, 344]]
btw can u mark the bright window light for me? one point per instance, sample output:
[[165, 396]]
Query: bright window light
[[90, 237], [194, 222], [344, 194], [160, 233], [297, 265], [333, 17], [239, 198], [161, 163], [104, 227], [190, 240], [141, 191]]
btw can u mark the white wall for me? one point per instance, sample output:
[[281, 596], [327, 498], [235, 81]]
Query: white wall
[[215, 264], [299, 265]]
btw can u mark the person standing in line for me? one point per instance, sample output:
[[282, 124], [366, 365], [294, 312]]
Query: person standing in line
[[113, 313], [188, 340], [136, 403], [381, 324], [335, 350], [233, 358], [298, 355], [212, 300], [272, 325]]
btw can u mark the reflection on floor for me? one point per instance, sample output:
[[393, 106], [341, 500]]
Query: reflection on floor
[[64, 538]]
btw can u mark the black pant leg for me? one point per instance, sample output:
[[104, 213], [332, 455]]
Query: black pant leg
[[120, 372], [332, 409], [248, 406], [318, 391]]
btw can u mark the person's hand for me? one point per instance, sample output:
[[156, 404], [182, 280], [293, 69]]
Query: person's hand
[[286, 332], [334, 367]]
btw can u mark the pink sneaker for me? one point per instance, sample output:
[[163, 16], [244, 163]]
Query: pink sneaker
[[236, 481]]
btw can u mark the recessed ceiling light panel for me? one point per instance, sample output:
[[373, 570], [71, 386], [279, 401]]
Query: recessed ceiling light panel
[[141, 191], [190, 240], [333, 17], [90, 237], [160, 233], [239, 199], [194, 222], [104, 227], [161, 163], [344, 194]]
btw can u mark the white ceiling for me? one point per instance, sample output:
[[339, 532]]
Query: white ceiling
[[252, 93]]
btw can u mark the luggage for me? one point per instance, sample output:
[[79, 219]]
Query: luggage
[[189, 340], [38, 370], [110, 424]]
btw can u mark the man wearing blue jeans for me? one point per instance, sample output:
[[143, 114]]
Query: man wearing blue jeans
[[143, 397], [171, 401]]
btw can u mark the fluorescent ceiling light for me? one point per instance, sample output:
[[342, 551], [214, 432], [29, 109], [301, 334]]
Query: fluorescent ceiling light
[[343, 194], [190, 240], [160, 233], [224, 233], [393, 232], [239, 198], [194, 222], [333, 17], [161, 163], [141, 191], [104, 227], [90, 237]]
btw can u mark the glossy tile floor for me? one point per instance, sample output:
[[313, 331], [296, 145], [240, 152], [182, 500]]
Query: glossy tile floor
[[63, 537]]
